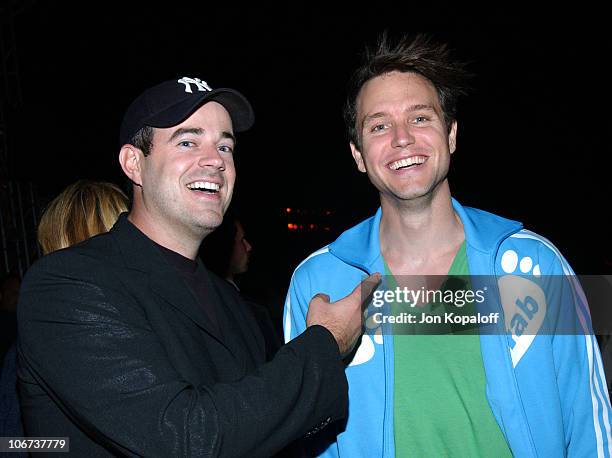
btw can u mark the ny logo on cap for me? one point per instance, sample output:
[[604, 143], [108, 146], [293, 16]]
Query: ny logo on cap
[[201, 85]]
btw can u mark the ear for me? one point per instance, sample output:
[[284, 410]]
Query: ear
[[130, 159], [358, 158], [452, 138]]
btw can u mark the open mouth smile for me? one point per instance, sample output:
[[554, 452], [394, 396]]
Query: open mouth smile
[[408, 162], [207, 187]]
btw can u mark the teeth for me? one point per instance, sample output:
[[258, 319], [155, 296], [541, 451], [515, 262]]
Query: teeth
[[204, 185], [408, 162]]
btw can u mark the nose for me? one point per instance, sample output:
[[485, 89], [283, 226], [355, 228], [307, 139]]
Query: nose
[[247, 245], [402, 136], [211, 157]]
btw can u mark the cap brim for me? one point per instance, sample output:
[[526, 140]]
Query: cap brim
[[234, 102]]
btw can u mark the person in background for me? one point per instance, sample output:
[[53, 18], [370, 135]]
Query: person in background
[[82, 210], [227, 252]]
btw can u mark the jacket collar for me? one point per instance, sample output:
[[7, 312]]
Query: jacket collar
[[140, 253], [484, 231], [360, 245]]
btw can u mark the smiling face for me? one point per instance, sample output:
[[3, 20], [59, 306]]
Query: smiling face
[[188, 179], [405, 145]]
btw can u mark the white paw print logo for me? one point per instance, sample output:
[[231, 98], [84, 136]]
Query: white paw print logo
[[369, 341], [523, 301], [510, 261]]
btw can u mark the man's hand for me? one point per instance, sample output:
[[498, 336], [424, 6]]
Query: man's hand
[[343, 318]]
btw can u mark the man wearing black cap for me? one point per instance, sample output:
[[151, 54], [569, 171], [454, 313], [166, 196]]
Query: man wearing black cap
[[129, 346]]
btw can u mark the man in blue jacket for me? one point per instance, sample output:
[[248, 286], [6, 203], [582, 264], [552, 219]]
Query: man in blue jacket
[[522, 389]]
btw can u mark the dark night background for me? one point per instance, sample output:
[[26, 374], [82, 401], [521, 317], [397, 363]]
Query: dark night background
[[533, 139]]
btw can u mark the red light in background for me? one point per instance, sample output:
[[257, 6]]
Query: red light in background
[[319, 221]]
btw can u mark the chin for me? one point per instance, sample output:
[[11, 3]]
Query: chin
[[210, 222]]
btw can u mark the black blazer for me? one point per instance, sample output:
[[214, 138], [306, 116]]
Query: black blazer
[[116, 353]]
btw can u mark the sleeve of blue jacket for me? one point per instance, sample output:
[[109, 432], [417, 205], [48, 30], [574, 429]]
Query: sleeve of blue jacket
[[296, 308], [581, 379], [559, 371]]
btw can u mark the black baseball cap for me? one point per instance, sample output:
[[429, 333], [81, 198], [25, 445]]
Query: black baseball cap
[[171, 102]]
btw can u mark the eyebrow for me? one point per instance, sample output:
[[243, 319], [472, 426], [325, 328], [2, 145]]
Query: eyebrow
[[411, 108], [197, 131], [422, 106], [226, 134], [185, 130]]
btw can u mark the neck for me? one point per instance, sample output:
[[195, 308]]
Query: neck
[[419, 232], [169, 236]]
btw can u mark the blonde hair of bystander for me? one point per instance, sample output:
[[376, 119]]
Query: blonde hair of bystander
[[84, 209]]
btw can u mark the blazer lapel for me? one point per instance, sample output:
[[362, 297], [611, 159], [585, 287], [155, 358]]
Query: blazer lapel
[[234, 338], [141, 253], [245, 326], [173, 289]]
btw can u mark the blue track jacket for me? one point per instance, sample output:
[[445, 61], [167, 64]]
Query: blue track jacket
[[547, 391]]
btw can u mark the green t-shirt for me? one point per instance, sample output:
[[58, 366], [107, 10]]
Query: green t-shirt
[[440, 405]]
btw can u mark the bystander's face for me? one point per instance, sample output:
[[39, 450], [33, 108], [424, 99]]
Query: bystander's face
[[405, 146], [188, 179], [239, 262]]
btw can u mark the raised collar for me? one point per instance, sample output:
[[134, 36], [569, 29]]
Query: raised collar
[[360, 245]]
